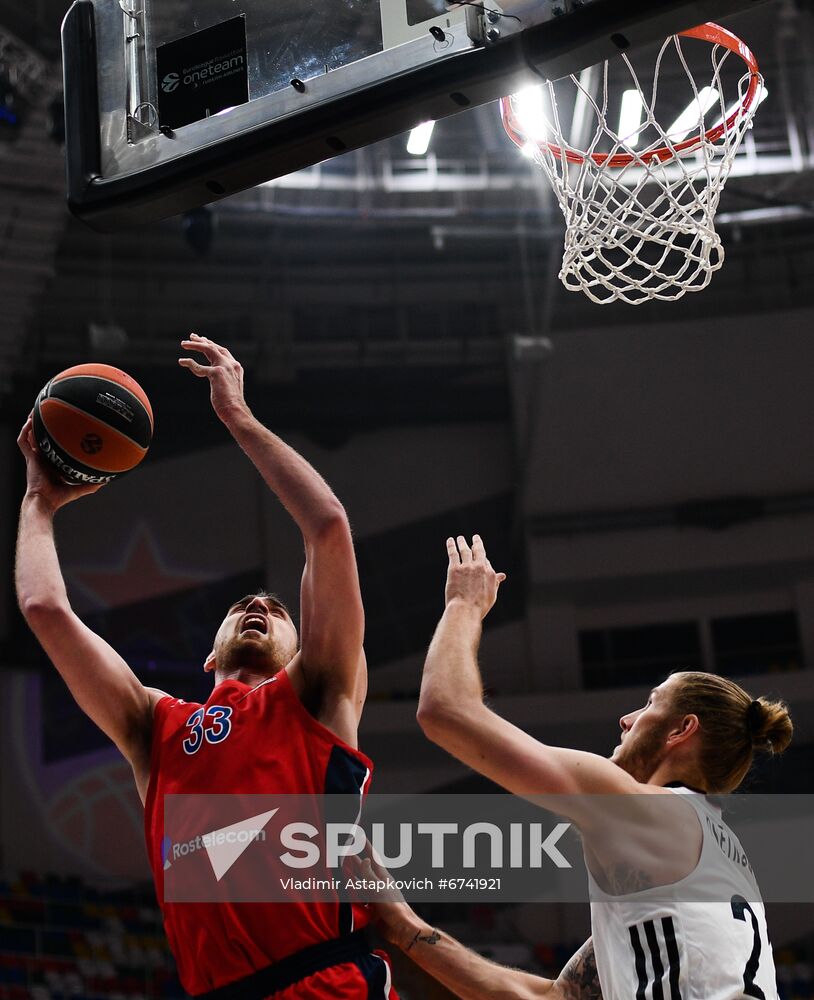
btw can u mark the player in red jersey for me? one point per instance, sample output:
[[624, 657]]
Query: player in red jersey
[[282, 717]]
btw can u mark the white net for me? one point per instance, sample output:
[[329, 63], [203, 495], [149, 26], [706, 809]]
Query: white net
[[639, 199]]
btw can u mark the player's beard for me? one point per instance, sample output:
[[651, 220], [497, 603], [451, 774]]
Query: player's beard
[[641, 753], [241, 652]]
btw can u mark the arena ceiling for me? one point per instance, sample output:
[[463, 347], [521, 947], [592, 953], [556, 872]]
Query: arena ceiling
[[375, 261]]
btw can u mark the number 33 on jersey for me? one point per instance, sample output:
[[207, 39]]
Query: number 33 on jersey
[[209, 722]]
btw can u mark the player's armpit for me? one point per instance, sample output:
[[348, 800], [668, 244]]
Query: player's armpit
[[579, 980], [103, 685]]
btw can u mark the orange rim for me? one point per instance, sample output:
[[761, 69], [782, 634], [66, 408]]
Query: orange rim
[[712, 33]]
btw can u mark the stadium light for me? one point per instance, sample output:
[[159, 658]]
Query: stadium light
[[764, 93], [691, 118], [419, 141], [528, 104], [630, 118]]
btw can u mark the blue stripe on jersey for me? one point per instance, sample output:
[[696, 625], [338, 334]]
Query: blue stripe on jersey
[[376, 973], [345, 775]]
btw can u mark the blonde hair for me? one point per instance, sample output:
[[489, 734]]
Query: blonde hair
[[733, 725]]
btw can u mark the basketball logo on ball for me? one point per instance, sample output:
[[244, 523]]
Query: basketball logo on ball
[[94, 422], [91, 444]]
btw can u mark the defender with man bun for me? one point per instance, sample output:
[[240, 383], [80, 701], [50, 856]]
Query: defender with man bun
[[733, 726], [676, 913]]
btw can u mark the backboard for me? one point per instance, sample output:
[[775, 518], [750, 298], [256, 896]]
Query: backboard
[[172, 106]]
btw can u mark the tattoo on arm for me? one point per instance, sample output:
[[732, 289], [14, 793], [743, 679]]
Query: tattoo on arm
[[432, 938], [579, 979]]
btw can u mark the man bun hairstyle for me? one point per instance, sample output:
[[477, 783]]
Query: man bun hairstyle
[[769, 725], [733, 725]]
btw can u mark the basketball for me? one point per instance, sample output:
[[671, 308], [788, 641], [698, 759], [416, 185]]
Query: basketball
[[94, 422]]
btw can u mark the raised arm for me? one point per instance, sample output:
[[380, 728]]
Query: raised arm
[[452, 713], [103, 685], [332, 617]]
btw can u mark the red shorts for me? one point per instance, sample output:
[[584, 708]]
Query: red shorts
[[368, 978]]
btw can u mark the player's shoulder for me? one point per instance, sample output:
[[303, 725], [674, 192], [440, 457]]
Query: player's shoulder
[[156, 695]]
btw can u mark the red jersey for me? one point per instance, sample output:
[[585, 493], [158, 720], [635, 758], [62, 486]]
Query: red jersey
[[260, 741]]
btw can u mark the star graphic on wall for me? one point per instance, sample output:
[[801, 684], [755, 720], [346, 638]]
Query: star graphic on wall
[[139, 574]]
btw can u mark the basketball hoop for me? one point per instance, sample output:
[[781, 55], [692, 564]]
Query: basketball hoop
[[640, 223]]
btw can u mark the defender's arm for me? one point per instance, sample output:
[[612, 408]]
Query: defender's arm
[[470, 976], [579, 980], [452, 713]]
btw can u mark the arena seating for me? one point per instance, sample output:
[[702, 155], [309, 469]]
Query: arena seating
[[60, 938]]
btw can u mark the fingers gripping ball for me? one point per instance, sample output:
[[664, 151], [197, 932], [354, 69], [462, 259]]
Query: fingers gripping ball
[[93, 422]]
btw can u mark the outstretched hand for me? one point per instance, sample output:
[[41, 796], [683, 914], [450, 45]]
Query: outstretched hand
[[42, 479], [470, 577], [225, 374]]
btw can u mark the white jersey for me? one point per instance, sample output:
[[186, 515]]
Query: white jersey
[[655, 945]]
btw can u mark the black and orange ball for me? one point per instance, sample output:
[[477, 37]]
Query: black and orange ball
[[93, 422]]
